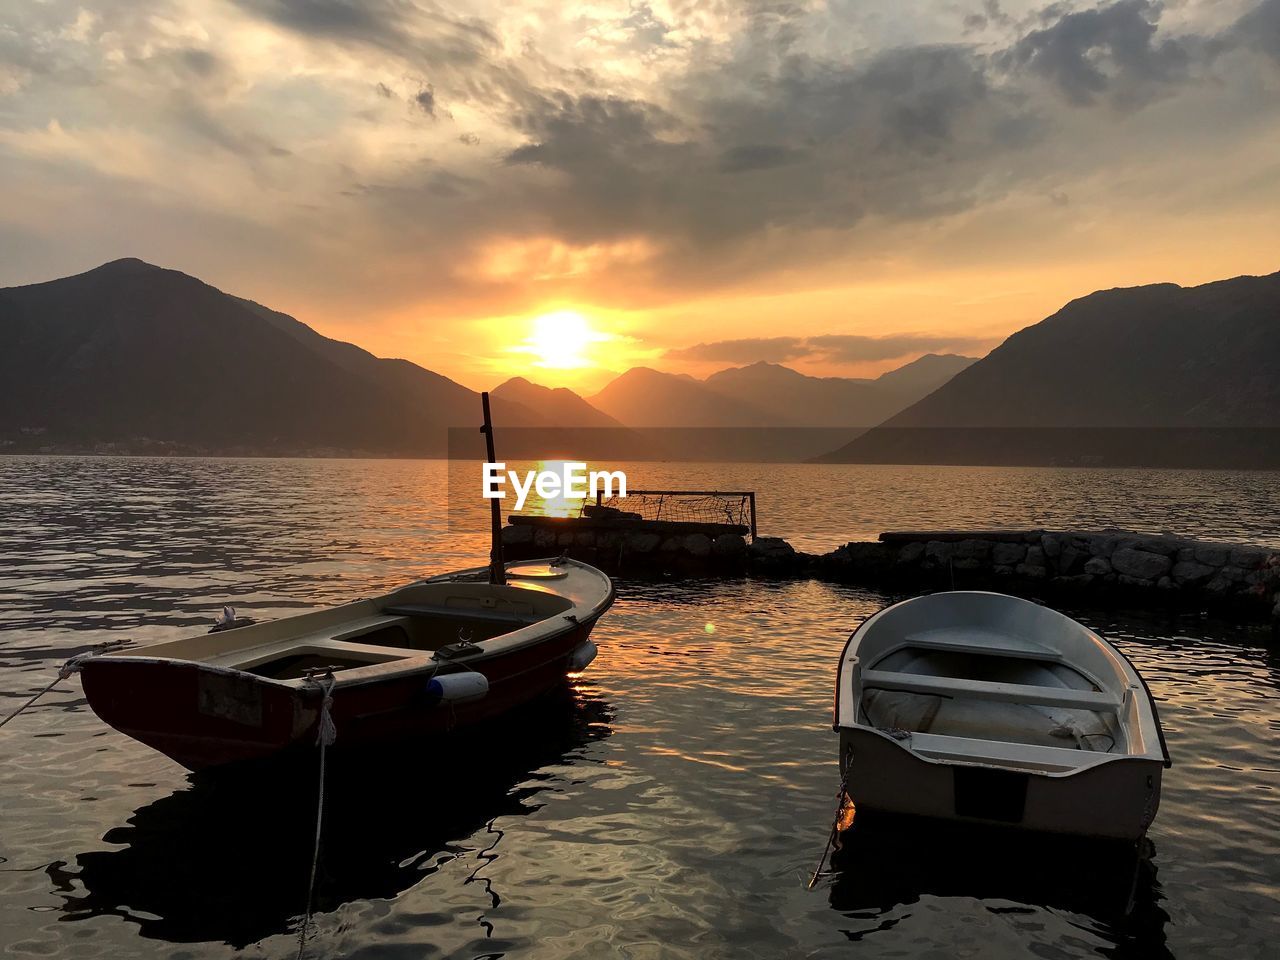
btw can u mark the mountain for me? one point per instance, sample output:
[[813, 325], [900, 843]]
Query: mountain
[[1151, 375], [922, 376], [794, 399], [643, 397], [770, 395], [134, 357], [560, 406]]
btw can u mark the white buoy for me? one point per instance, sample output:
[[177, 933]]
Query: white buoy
[[582, 656], [458, 687]]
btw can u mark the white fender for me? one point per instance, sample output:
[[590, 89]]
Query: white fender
[[458, 687], [582, 656]]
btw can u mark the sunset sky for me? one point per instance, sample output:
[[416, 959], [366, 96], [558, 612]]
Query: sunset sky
[[565, 189]]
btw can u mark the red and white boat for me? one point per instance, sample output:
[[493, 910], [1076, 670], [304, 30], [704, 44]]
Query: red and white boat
[[433, 656]]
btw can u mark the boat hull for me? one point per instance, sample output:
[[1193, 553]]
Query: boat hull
[[1114, 800], [204, 716]]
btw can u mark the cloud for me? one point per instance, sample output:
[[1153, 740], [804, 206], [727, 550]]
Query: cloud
[[829, 348], [1110, 52], [1259, 29], [746, 350], [391, 24], [462, 54], [909, 133], [758, 156], [426, 101], [733, 145], [856, 348]]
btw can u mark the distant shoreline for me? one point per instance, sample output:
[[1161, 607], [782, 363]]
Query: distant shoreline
[[813, 462]]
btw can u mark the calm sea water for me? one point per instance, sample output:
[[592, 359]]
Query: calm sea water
[[672, 804]]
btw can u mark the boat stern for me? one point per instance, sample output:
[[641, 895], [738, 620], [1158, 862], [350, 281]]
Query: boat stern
[[196, 714], [1116, 798]]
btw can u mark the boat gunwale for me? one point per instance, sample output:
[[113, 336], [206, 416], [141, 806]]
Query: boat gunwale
[[428, 662], [1090, 759]]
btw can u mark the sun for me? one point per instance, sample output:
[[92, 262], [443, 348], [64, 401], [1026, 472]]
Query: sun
[[560, 340]]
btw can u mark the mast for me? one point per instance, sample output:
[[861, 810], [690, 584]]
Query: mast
[[497, 568]]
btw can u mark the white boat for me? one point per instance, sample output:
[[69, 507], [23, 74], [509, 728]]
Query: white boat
[[986, 708]]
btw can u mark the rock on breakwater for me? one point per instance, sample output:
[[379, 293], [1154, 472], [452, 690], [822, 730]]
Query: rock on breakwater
[[1240, 579], [1223, 575], [634, 547]]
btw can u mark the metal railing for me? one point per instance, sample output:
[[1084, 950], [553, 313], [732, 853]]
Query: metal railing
[[736, 507]]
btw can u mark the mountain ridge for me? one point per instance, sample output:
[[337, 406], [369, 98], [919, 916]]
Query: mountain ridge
[[95, 360], [1110, 370]]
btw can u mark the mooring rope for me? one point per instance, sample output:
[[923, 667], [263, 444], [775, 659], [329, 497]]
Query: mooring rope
[[69, 668], [326, 733], [838, 824]]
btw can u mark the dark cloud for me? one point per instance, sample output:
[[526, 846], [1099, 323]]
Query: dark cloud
[[626, 167], [758, 156], [384, 91], [387, 23], [574, 134], [426, 101], [832, 348], [421, 33], [909, 133], [1110, 52], [993, 13], [747, 350], [1259, 29], [202, 63]]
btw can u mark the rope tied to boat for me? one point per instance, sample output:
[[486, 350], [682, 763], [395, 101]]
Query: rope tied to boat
[[73, 666], [326, 734], [842, 821]]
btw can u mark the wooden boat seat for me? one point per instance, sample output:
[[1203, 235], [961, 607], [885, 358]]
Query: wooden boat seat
[[969, 640], [469, 613], [999, 753], [332, 638], [988, 690]]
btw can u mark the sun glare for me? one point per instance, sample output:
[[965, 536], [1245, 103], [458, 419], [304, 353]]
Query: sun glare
[[560, 340]]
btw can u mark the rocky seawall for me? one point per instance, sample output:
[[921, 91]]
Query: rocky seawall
[[634, 547], [1106, 562], [1234, 578]]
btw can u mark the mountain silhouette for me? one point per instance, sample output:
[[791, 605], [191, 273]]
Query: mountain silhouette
[[770, 395], [643, 397], [922, 376], [794, 399], [560, 405], [1158, 375], [137, 358]]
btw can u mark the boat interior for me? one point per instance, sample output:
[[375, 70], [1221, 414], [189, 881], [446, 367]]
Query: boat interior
[[414, 622], [981, 695], [998, 682]]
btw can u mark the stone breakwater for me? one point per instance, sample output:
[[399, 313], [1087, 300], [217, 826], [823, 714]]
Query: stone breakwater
[[1235, 578], [634, 547], [1106, 561]]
